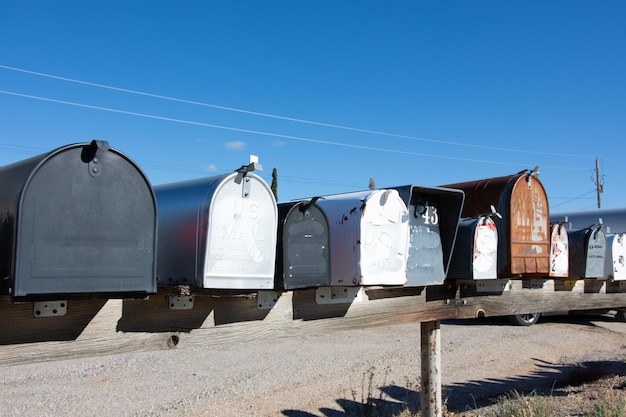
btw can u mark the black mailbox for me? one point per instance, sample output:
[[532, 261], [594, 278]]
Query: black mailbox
[[434, 214], [475, 250], [303, 256], [79, 220], [587, 248]]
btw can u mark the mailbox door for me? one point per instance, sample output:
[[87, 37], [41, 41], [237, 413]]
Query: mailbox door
[[369, 237], [306, 261], [485, 256], [559, 251], [384, 239], [241, 223], [529, 222], [433, 219], [616, 257], [83, 230], [595, 252]]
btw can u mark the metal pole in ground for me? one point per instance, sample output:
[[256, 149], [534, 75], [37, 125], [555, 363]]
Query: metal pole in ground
[[430, 392]]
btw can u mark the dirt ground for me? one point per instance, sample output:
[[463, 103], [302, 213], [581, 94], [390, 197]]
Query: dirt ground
[[327, 375]]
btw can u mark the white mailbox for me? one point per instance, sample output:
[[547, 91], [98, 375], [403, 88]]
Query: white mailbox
[[217, 232], [369, 237], [559, 251], [475, 250], [615, 261]]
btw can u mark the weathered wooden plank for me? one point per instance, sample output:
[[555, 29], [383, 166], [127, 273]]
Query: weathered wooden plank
[[98, 328], [555, 295]]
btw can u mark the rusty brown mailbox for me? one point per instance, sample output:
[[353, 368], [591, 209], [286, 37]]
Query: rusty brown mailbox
[[524, 230]]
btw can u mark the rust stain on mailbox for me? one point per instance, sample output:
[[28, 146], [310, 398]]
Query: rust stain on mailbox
[[524, 231]]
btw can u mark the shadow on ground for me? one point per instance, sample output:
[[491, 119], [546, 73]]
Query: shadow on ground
[[549, 379]]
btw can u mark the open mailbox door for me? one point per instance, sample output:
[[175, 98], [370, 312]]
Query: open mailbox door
[[433, 220]]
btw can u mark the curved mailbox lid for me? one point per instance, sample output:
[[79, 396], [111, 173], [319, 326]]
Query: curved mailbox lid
[[218, 232], [613, 219], [615, 267], [523, 243], [475, 250], [303, 259], [587, 249], [369, 237], [433, 219], [559, 251], [81, 220]]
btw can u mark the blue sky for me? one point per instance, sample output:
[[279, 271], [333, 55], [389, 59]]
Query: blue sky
[[330, 93]]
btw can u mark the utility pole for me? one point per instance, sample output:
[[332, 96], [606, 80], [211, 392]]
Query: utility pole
[[599, 181]]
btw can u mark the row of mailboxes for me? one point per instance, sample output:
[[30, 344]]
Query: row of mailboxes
[[397, 236], [80, 219]]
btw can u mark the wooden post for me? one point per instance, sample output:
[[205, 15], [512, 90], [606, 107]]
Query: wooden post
[[430, 393]]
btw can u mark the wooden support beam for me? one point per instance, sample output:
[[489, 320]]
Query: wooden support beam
[[430, 392]]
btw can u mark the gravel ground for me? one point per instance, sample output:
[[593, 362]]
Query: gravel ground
[[321, 375]]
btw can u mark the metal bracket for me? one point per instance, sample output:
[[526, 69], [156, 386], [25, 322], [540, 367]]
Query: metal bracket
[[245, 187], [538, 284], [338, 295], [266, 300], [493, 285], [180, 302], [49, 308]]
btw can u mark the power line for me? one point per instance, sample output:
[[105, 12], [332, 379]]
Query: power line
[[291, 119], [572, 199], [276, 135]]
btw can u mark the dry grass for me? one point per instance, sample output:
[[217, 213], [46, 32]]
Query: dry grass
[[603, 398]]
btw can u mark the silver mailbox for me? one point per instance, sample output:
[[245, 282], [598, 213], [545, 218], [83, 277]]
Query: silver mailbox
[[369, 237], [475, 250], [77, 221], [433, 220], [587, 249], [303, 258], [218, 232]]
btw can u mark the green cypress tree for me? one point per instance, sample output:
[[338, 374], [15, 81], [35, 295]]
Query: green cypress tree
[[274, 185]]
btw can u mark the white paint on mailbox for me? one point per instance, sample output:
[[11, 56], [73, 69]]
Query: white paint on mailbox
[[369, 237], [616, 256], [241, 236], [485, 250]]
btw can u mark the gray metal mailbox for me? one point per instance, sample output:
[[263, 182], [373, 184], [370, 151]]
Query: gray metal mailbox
[[77, 221], [303, 258], [218, 232], [475, 250], [433, 219], [587, 249], [368, 237]]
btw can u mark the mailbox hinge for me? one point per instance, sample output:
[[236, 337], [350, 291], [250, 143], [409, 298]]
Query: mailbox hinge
[[50, 308], [180, 302]]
